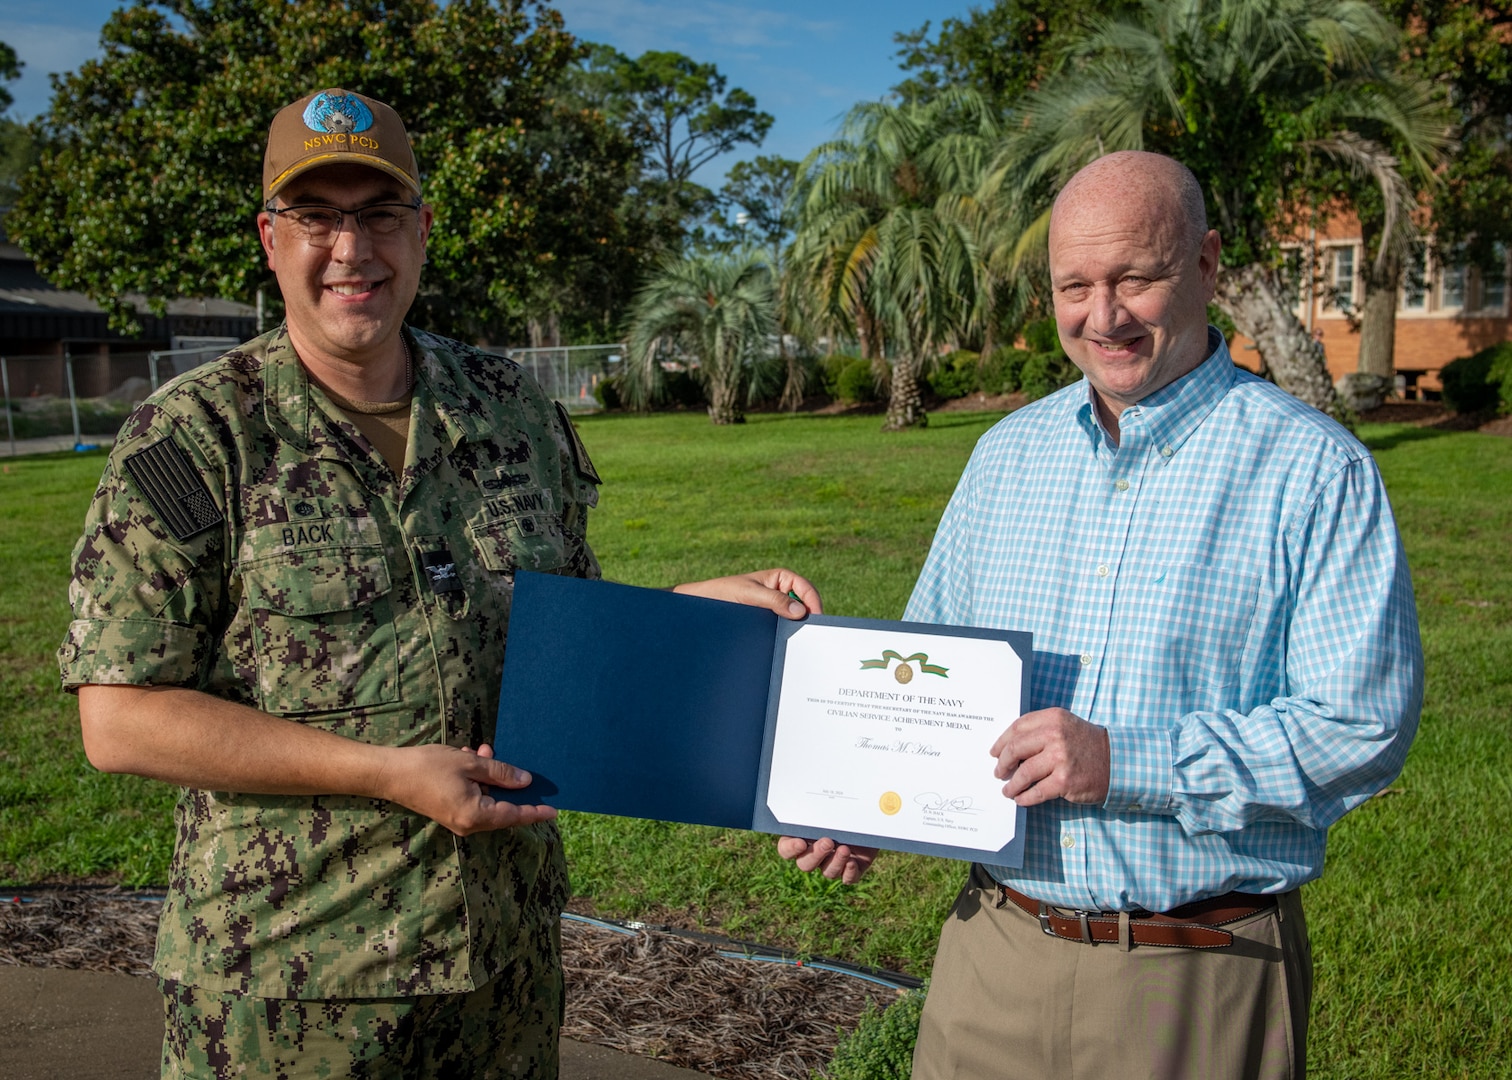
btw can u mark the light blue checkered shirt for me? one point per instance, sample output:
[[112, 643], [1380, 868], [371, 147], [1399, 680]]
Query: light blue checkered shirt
[[1226, 593]]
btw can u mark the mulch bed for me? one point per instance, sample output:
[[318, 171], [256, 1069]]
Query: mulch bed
[[645, 991], [1436, 415]]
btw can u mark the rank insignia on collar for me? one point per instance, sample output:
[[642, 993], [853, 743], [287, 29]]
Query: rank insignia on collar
[[174, 489]]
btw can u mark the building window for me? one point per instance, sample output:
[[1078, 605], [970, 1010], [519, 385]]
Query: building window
[[1452, 287], [1415, 280], [1493, 293], [1493, 284], [1343, 284]]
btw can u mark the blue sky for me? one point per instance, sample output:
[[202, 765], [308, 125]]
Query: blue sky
[[806, 61]]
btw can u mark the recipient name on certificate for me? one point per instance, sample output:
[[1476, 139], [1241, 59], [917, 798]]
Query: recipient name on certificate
[[882, 733]]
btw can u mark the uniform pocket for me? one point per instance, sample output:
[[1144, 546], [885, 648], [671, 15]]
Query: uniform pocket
[[526, 542], [323, 630]]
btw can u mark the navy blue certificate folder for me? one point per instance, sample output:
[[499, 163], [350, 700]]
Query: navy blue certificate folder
[[650, 704]]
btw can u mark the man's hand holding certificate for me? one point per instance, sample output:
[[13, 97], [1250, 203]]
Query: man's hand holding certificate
[[875, 734]]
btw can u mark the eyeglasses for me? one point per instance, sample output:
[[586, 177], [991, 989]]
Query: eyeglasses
[[319, 225]]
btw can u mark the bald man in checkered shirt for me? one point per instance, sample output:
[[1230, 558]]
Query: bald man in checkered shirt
[[1226, 662]]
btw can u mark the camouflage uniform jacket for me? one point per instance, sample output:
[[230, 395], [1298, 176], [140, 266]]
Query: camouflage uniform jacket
[[247, 541]]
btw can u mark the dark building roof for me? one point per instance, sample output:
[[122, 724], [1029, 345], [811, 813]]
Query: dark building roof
[[31, 310]]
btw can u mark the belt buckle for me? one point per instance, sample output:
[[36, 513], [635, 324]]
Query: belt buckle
[[1081, 917]]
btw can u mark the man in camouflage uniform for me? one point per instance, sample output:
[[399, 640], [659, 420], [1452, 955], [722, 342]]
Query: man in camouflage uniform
[[291, 599]]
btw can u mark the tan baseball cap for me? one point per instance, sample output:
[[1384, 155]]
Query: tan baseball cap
[[333, 127]]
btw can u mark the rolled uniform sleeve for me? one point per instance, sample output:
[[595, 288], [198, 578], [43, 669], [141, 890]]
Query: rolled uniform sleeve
[[144, 601]]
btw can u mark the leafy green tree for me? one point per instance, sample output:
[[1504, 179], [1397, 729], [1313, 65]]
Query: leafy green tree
[[1000, 51], [1249, 94], [888, 244], [718, 312], [754, 203], [151, 162], [10, 68], [680, 116], [16, 148], [18, 152], [1461, 48], [755, 208]]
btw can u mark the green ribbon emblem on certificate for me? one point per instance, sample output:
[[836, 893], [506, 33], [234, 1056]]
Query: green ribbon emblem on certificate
[[903, 672]]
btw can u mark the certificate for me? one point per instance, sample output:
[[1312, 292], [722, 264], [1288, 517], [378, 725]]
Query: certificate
[[880, 732], [650, 704]]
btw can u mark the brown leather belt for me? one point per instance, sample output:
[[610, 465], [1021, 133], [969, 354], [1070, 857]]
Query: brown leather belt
[[1191, 926]]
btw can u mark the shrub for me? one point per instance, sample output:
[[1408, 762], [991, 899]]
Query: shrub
[[830, 368], [681, 389], [856, 384], [956, 374], [1041, 336], [1046, 372], [1501, 375], [606, 393], [882, 1046], [1000, 372], [1478, 383]]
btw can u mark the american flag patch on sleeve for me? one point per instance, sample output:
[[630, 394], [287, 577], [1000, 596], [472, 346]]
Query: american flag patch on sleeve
[[178, 493]]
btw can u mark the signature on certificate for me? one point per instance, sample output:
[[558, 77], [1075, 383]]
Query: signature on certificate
[[960, 804]]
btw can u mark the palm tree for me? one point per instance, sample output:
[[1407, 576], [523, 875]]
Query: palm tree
[[1248, 94], [887, 246], [717, 311]]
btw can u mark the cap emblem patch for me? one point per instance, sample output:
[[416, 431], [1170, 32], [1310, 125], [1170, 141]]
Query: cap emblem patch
[[337, 114]]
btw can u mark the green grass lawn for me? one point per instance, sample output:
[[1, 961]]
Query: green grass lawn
[[1414, 966]]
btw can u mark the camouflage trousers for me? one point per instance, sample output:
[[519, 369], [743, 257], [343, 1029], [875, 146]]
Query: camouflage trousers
[[506, 1030]]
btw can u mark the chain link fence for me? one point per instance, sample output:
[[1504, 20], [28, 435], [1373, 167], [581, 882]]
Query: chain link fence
[[80, 401], [571, 373]]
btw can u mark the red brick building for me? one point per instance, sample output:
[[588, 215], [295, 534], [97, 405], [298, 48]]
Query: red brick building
[[1443, 311]]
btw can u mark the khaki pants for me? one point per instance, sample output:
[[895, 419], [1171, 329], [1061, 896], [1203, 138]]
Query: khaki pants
[[1007, 1001]]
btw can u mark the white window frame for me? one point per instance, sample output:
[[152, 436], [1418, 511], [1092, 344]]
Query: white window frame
[[1424, 291], [1481, 285], [1442, 278], [1337, 300]]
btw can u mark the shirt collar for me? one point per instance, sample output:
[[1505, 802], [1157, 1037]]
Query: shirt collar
[[289, 408], [1172, 413]]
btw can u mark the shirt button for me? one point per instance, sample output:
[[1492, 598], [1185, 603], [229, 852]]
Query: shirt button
[[1102, 571], [1086, 659], [1134, 806], [1121, 485], [1068, 841], [1166, 451]]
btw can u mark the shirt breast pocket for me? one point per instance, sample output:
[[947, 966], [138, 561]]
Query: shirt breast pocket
[[323, 630], [1194, 621]]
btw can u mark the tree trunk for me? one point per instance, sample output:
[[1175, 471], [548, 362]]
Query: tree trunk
[[905, 405], [725, 393], [1378, 316], [792, 387], [547, 335], [1253, 297]]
